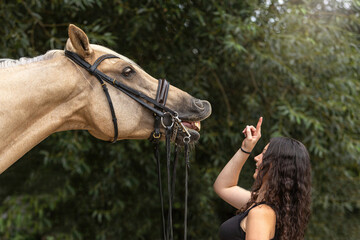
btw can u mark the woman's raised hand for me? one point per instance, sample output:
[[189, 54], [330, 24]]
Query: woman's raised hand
[[252, 136]]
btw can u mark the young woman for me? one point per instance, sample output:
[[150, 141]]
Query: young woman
[[278, 207]]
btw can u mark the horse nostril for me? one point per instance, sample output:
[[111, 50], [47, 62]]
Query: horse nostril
[[198, 110], [199, 103]]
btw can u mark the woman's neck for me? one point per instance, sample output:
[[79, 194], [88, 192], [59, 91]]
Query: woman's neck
[[262, 191]]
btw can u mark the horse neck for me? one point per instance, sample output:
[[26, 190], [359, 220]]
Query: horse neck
[[37, 100]]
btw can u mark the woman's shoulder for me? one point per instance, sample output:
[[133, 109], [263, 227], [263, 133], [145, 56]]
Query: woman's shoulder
[[262, 211], [261, 222]]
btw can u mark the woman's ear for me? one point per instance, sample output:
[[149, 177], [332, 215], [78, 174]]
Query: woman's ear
[[78, 42]]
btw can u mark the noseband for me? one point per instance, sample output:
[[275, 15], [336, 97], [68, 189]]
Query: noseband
[[164, 116]]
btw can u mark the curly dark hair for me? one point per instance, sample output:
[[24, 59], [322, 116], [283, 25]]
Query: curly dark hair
[[286, 167]]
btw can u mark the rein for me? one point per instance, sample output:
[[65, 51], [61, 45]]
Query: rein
[[163, 117]]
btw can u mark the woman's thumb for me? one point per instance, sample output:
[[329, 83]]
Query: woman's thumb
[[248, 132]]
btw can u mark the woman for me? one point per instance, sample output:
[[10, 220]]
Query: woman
[[278, 207]]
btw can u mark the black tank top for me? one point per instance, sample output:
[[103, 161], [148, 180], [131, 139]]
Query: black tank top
[[231, 230]]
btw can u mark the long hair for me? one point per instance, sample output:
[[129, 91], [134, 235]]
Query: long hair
[[286, 167]]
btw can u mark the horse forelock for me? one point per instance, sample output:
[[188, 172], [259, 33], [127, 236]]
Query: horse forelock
[[7, 62]]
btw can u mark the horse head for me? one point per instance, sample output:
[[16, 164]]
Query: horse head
[[134, 121]]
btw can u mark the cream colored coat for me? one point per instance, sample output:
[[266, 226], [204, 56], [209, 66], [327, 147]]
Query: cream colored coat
[[52, 94]]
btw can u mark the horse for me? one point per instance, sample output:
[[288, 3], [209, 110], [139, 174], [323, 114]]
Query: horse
[[51, 93]]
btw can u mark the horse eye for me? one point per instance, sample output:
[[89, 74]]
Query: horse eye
[[126, 72]]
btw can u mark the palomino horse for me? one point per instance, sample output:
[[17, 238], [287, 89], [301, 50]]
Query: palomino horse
[[51, 93]]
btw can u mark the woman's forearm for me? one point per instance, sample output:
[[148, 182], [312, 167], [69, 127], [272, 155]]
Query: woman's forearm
[[226, 183], [229, 176]]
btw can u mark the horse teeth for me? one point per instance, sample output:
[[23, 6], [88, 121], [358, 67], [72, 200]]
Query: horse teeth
[[197, 125]]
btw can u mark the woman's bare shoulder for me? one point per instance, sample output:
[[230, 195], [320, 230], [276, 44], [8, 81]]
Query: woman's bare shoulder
[[261, 222], [263, 211]]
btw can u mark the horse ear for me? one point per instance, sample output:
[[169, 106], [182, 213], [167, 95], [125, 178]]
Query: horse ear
[[78, 42]]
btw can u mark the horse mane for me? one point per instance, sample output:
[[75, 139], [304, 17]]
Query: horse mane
[[7, 62]]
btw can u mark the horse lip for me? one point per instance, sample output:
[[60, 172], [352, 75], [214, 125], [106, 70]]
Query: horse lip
[[196, 118], [195, 136], [192, 125]]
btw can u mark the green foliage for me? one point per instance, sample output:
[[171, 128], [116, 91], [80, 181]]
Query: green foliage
[[296, 63]]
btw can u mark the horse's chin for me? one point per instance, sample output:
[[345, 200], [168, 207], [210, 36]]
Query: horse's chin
[[195, 136]]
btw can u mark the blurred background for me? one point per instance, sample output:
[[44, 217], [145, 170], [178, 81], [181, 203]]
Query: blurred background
[[294, 62]]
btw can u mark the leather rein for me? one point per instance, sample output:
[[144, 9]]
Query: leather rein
[[163, 117]]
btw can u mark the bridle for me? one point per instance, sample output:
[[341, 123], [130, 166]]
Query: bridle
[[164, 116], [158, 107]]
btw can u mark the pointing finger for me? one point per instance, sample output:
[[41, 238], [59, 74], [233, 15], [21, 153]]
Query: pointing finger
[[258, 126]]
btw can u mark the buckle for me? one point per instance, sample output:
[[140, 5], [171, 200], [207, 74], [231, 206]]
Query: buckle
[[156, 136]]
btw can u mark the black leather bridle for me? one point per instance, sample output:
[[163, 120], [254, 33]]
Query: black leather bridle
[[163, 117]]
